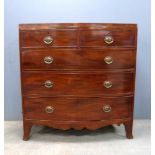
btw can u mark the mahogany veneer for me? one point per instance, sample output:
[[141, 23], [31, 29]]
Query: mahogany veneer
[[79, 75]]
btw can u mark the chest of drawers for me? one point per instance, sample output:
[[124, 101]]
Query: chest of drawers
[[77, 75]]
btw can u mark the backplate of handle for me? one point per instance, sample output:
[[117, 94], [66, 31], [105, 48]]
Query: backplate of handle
[[108, 60], [107, 84], [108, 39], [48, 40], [48, 60], [49, 109], [48, 84], [107, 108]]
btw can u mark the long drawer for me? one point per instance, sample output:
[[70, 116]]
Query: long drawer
[[78, 59], [52, 83], [73, 109]]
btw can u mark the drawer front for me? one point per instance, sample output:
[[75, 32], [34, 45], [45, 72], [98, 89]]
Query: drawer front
[[78, 59], [72, 109], [100, 38], [77, 83], [48, 38]]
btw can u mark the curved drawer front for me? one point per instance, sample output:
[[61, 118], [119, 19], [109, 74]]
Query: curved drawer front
[[77, 83], [72, 109], [48, 38], [78, 59], [99, 38]]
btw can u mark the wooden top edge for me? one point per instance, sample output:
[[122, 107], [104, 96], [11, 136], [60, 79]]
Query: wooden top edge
[[76, 25]]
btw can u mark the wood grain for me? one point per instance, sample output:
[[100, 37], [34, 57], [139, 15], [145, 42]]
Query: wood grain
[[74, 109], [72, 59], [77, 84], [61, 38], [95, 38]]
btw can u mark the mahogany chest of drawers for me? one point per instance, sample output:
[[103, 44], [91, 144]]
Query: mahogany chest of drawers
[[79, 75]]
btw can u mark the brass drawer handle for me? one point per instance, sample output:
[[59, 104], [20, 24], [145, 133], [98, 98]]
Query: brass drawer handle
[[108, 39], [107, 84], [48, 40], [108, 60], [49, 109], [48, 84], [48, 60], [107, 108]]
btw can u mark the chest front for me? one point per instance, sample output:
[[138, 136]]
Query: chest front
[[77, 75]]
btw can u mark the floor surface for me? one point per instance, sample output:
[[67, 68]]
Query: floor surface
[[109, 140]]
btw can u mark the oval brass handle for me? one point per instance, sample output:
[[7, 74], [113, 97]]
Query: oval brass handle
[[48, 59], [108, 39], [107, 108], [48, 84], [107, 84], [48, 40], [49, 109], [108, 60]]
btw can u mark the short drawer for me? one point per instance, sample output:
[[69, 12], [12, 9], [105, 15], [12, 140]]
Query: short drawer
[[48, 38], [77, 59], [50, 83], [102, 38], [77, 109]]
